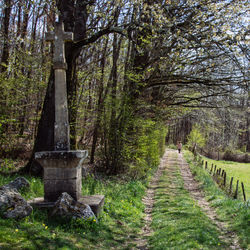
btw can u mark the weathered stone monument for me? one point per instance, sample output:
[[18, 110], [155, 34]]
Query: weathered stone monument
[[62, 167]]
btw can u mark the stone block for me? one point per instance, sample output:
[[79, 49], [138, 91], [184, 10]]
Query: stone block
[[62, 173], [95, 202], [54, 188]]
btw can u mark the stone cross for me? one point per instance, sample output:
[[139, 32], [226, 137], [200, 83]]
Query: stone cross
[[59, 37], [61, 128], [63, 167]]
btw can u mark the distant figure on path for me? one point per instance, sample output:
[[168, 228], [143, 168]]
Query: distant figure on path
[[179, 146]]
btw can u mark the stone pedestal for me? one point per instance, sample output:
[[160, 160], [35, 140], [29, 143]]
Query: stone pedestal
[[62, 173]]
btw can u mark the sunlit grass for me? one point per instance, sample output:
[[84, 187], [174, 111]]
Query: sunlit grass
[[240, 171], [178, 221]]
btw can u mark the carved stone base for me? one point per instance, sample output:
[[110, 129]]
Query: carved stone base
[[62, 173]]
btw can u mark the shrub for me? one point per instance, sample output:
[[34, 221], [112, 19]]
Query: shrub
[[195, 139], [148, 146]]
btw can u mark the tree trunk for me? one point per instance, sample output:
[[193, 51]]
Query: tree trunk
[[4, 62], [113, 126], [99, 105], [44, 140], [6, 22], [24, 101]]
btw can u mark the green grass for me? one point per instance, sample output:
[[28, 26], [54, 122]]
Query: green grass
[[240, 171], [235, 212], [178, 222], [117, 226]]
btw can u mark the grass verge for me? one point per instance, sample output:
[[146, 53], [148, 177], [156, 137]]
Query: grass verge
[[235, 212]]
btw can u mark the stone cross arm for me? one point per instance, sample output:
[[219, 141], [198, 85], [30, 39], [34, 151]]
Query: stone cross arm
[[59, 37]]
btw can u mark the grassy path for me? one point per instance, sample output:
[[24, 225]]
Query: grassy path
[[148, 200], [181, 217], [197, 194]]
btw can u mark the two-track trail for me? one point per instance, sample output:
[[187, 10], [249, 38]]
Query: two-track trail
[[185, 213], [193, 187], [148, 201]]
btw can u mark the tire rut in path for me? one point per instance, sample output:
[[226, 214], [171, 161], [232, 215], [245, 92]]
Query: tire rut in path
[[192, 186], [148, 201]]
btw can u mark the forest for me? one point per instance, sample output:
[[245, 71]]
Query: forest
[[137, 71]]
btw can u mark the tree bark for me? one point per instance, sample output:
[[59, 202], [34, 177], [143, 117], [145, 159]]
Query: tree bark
[[99, 105], [114, 136], [6, 22], [24, 101], [4, 62], [44, 140]]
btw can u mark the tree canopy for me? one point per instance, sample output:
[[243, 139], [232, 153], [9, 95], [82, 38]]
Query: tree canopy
[[134, 68]]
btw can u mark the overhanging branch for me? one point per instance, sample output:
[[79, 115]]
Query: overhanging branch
[[99, 34]]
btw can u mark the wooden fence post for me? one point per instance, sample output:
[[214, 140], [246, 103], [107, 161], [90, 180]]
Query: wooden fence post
[[206, 165], [215, 169], [243, 191], [211, 169], [236, 190], [225, 179], [231, 184], [222, 173]]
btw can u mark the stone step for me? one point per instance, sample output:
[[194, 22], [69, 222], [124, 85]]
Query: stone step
[[96, 203]]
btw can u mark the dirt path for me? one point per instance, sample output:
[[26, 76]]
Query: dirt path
[[193, 187], [148, 201], [169, 160]]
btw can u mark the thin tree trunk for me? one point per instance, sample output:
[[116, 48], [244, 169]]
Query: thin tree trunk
[[6, 22], [113, 128], [24, 101], [99, 105], [4, 62]]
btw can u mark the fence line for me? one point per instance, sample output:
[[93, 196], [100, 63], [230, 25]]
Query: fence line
[[220, 176]]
